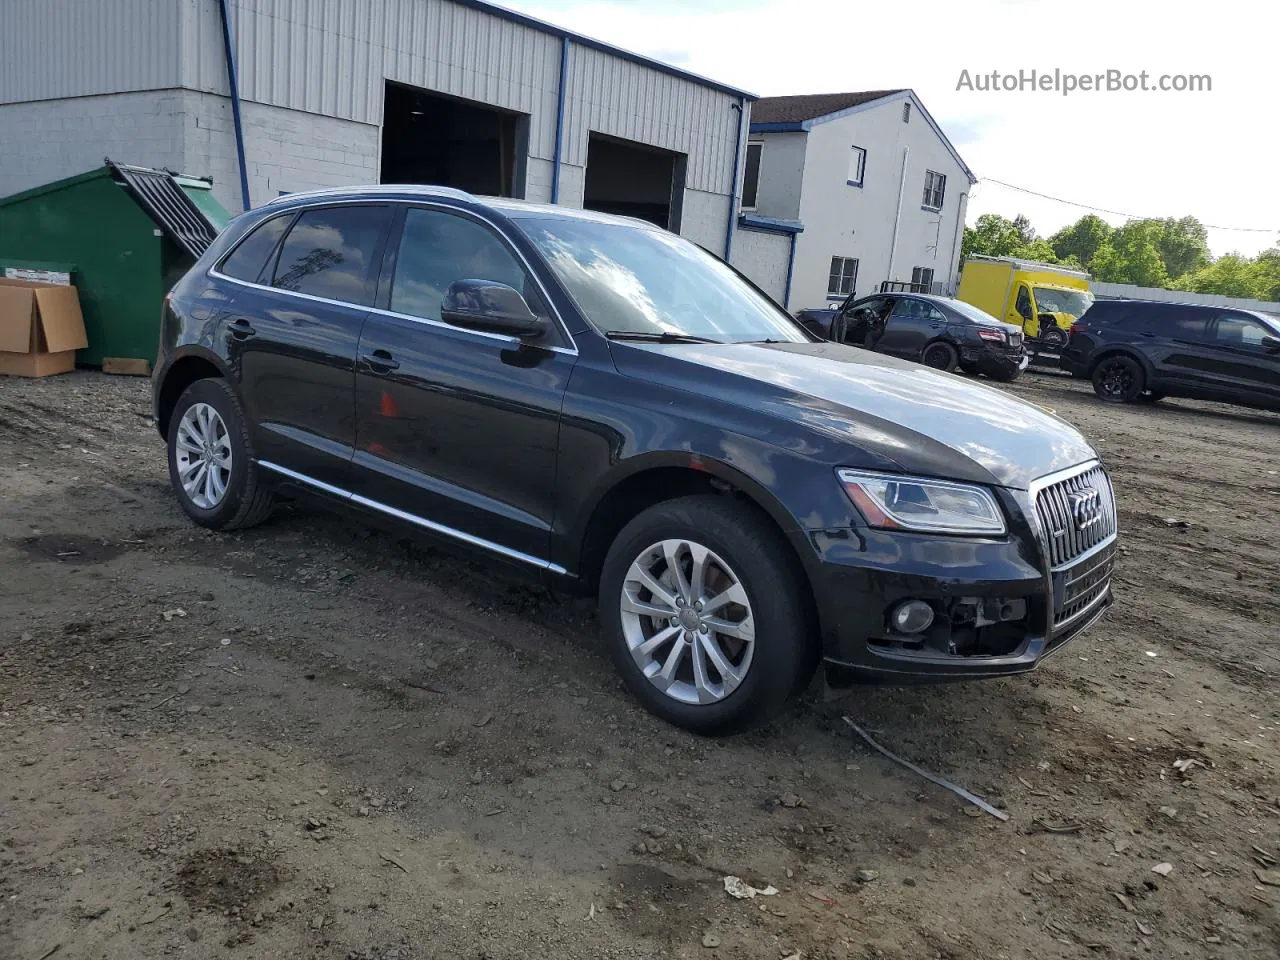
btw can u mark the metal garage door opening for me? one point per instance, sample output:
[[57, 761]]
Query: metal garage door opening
[[429, 138], [634, 180]]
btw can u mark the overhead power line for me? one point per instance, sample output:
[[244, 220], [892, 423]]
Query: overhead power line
[[1120, 213]]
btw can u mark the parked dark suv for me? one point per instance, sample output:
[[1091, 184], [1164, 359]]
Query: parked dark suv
[[937, 331], [1144, 350], [605, 404]]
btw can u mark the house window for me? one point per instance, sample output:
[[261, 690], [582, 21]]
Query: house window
[[857, 165], [751, 180], [844, 274], [922, 279], [906, 112], [935, 187]]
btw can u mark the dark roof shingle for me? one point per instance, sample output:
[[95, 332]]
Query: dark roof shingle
[[810, 106]]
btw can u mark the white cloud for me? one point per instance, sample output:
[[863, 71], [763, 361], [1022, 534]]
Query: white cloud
[[1211, 155]]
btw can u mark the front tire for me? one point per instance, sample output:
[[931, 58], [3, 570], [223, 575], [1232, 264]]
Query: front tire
[[1118, 379], [211, 461], [1053, 339], [704, 616]]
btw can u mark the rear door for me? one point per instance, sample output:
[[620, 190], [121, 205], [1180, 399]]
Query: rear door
[[458, 429], [1174, 338], [294, 332]]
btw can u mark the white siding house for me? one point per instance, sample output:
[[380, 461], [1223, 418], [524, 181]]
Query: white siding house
[[879, 189]]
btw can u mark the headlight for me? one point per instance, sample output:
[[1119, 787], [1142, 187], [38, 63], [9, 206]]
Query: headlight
[[893, 502]]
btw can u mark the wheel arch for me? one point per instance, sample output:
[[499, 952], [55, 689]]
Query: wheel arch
[[194, 364]]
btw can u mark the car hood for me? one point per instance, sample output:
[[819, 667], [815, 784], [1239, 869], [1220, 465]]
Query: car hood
[[918, 419]]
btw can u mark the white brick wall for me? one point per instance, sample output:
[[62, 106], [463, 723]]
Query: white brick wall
[[51, 139], [286, 149], [762, 256]]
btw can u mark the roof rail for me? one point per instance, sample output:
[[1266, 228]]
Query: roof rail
[[374, 189]]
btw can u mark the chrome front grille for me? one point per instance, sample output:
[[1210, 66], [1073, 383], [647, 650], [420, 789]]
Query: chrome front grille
[[1077, 514], [1082, 586]]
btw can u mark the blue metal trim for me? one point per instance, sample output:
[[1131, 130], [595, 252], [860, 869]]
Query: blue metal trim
[[233, 82], [753, 221], [741, 107], [551, 28], [791, 269], [561, 94]]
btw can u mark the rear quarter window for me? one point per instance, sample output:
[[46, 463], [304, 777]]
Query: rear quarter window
[[250, 256]]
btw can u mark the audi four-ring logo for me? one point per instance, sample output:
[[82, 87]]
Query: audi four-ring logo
[[1086, 507]]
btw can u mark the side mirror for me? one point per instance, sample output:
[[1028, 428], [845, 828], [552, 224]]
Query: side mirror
[[492, 307], [1271, 344]]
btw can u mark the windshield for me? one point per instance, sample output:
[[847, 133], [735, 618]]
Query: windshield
[[971, 312], [1071, 302], [626, 279]]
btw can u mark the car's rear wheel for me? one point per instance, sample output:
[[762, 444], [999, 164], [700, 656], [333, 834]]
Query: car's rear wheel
[[940, 356], [210, 459], [704, 616], [1118, 379]]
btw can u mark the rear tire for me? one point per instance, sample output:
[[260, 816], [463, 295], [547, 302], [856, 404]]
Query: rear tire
[[759, 647], [940, 355], [211, 461], [1118, 379]]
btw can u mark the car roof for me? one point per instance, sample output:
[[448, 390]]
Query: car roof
[[514, 209], [1137, 301]]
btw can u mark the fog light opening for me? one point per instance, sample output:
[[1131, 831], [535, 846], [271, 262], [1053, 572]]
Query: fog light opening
[[911, 616]]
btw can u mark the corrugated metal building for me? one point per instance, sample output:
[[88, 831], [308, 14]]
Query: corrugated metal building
[[335, 92]]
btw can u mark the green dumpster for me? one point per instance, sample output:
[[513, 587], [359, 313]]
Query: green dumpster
[[125, 235]]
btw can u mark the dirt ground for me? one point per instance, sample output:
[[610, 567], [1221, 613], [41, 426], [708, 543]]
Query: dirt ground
[[313, 740]]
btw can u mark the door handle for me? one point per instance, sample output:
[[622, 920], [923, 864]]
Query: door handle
[[380, 361], [241, 328]]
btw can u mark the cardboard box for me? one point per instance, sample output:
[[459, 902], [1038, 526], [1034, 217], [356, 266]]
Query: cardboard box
[[41, 328]]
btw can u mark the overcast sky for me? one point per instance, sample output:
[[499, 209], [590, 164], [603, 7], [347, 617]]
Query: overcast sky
[[1214, 155]]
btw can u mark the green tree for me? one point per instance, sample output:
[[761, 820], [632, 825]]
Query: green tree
[[1183, 244], [1080, 241], [1268, 267], [996, 236], [1132, 255], [1232, 275]]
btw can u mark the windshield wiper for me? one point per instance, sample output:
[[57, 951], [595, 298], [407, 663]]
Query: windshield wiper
[[665, 336]]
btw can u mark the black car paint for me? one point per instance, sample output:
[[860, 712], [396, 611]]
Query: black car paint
[[907, 337], [515, 448], [1177, 348]]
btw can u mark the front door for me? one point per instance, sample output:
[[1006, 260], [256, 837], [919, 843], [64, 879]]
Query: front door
[[1242, 359], [456, 428], [1022, 312], [911, 325], [293, 335]]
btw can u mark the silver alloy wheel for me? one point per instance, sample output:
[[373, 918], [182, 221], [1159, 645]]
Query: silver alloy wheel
[[204, 455], [687, 621]]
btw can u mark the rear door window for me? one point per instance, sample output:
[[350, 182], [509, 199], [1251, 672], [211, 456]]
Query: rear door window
[[332, 252], [249, 260], [1181, 323]]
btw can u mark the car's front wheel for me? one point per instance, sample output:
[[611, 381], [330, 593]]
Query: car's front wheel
[[704, 615], [210, 463], [1118, 379]]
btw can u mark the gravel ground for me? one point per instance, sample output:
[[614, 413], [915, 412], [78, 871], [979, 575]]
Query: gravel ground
[[314, 740]]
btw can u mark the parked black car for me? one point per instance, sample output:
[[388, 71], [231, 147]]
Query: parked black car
[[1144, 350], [937, 331], [603, 403]]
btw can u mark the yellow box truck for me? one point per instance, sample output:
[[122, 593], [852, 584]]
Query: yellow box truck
[[1041, 298]]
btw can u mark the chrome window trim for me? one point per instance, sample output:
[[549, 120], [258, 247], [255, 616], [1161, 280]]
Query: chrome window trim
[[425, 202], [413, 518]]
